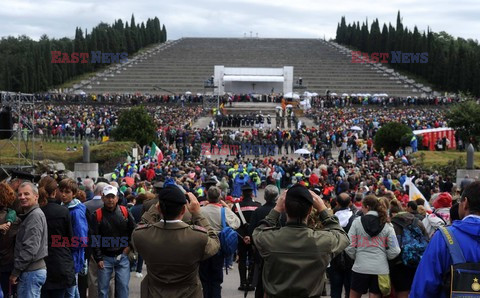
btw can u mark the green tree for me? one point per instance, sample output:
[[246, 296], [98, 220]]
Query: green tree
[[136, 125], [465, 119], [389, 136]]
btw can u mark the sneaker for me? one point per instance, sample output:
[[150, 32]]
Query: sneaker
[[139, 275], [230, 267]]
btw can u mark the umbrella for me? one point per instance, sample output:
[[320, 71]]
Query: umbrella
[[344, 95], [302, 151], [291, 95], [314, 94], [383, 94], [333, 94], [188, 93], [289, 106], [129, 181], [353, 95], [278, 107], [368, 94], [355, 128], [307, 94]]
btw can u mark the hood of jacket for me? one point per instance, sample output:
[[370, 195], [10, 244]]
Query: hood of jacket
[[470, 226], [371, 223]]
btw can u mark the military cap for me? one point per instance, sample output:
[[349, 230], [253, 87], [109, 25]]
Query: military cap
[[172, 194], [299, 192], [247, 187]]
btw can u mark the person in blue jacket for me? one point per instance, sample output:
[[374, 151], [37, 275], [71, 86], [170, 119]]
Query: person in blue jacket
[[436, 260]]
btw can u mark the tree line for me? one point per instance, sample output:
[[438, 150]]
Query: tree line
[[26, 64], [452, 65]]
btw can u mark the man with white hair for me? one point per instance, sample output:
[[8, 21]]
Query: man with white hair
[[89, 186]]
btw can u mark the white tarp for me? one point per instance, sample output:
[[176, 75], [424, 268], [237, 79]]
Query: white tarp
[[253, 79]]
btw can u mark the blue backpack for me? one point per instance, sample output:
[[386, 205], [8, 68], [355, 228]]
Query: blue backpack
[[412, 243], [228, 241]]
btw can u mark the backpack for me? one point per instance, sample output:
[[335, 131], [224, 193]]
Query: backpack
[[463, 277], [228, 241], [342, 262], [99, 213], [412, 243]]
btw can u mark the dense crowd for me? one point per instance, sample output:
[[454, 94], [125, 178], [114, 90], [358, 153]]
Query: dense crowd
[[367, 221], [370, 189]]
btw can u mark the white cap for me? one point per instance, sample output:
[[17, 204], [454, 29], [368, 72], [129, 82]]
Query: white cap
[[109, 189]]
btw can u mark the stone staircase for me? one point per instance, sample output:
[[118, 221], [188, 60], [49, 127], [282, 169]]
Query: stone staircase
[[185, 64]]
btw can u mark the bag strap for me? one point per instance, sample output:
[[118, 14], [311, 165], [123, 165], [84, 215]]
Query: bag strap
[[124, 211], [242, 218], [224, 224], [453, 247], [439, 216], [99, 215]]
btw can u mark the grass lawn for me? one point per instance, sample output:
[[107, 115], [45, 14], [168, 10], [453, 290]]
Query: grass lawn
[[441, 158], [107, 153]]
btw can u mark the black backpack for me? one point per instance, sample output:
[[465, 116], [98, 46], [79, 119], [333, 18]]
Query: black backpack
[[342, 262], [463, 278]]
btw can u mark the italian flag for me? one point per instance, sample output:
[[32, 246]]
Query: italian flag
[[155, 152]]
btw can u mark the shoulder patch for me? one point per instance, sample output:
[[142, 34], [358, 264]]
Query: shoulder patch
[[142, 226], [199, 228]]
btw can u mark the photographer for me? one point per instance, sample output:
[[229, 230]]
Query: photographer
[[296, 256]]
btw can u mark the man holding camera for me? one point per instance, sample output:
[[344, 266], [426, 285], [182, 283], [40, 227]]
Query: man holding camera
[[297, 256], [173, 249]]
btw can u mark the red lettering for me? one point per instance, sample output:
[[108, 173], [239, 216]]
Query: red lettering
[[365, 58], [65, 58], [225, 150], [354, 241], [65, 242], [55, 59], [84, 241], [84, 57], [383, 241], [384, 57], [56, 240], [75, 242], [205, 147], [374, 57], [356, 57], [75, 58]]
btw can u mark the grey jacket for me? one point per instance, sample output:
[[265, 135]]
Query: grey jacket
[[371, 254], [31, 245]]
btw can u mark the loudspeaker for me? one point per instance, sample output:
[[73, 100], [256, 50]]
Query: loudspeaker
[[6, 124]]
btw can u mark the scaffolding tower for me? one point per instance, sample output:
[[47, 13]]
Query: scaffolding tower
[[22, 133]]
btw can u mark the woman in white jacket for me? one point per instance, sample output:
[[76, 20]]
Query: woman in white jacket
[[373, 243]]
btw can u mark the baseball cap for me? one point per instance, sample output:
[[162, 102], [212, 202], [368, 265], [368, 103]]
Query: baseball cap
[[109, 190]]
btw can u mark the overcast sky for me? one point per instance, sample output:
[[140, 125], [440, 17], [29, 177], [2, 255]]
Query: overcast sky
[[234, 18]]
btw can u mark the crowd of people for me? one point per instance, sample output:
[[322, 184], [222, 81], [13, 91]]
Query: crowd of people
[[360, 214], [351, 220]]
